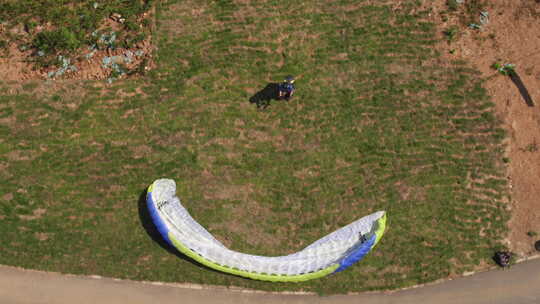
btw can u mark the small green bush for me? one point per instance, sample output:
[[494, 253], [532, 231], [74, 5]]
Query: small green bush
[[451, 33], [452, 5], [505, 69], [130, 25], [55, 41], [532, 147]]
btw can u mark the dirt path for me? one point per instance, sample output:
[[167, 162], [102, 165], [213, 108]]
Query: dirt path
[[517, 285], [512, 35]]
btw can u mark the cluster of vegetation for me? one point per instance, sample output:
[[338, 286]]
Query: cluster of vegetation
[[52, 27], [377, 123], [467, 10]]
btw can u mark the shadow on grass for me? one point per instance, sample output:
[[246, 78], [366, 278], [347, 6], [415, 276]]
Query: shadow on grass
[[263, 97], [151, 230]]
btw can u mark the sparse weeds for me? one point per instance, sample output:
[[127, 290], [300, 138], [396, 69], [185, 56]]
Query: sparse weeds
[[453, 5], [451, 33], [532, 147], [473, 10], [471, 14]]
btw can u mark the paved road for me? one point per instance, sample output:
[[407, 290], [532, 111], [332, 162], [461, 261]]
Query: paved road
[[518, 285]]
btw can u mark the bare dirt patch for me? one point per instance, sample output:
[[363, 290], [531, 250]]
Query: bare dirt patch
[[228, 192], [41, 236], [253, 235], [239, 202], [21, 155], [141, 151], [512, 35], [36, 214], [7, 197]]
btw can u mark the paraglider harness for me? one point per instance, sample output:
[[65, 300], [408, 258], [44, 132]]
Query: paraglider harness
[[286, 88], [502, 258]]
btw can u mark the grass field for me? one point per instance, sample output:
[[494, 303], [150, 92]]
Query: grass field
[[379, 122]]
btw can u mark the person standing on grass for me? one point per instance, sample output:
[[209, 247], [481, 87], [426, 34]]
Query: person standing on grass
[[286, 88]]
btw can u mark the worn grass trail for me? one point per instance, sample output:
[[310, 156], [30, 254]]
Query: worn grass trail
[[378, 123]]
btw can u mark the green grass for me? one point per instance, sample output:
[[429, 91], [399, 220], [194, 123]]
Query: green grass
[[383, 126]]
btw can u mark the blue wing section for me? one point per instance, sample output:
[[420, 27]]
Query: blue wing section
[[158, 222], [356, 254]]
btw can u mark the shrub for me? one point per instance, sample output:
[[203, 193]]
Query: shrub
[[55, 41], [452, 5], [451, 33], [130, 25]]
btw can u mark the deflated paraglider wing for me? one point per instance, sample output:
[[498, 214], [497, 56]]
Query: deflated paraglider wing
[[332, 253]]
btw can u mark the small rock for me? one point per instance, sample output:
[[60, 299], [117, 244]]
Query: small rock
[[484, 18], [106, 61], [118, 59]]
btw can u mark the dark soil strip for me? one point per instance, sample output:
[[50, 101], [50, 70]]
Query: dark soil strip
[[522, 89]]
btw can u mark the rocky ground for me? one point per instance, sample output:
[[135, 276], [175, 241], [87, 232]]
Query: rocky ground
[[106, 60]]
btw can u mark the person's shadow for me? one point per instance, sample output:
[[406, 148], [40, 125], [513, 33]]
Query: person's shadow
[[263, 97], [522, 89]]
